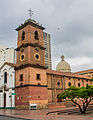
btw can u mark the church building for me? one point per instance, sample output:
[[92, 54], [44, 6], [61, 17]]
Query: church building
[[34, 83]]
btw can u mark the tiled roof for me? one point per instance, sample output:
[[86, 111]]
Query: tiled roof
[[84, 71], [11, 64], [67, 74]]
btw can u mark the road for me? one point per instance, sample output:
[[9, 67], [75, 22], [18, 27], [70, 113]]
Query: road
[[11, 118]]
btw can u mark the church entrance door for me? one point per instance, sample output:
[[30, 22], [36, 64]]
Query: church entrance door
[[58, 99]]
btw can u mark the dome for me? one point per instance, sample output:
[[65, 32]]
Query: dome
[[63, 66], [30, 20]]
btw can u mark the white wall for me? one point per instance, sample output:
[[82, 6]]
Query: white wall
[[10, 85], [1, 100], [10, 103]]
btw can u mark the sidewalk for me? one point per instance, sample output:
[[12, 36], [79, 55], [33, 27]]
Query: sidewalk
[[41, 114]]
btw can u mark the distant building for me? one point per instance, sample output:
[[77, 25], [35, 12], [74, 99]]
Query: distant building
[[6, 55], [47, 45]]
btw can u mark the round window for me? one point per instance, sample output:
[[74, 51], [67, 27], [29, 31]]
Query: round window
[[37, 56], [22, 57]]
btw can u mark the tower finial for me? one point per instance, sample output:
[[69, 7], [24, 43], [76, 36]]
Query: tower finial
[[30, 13]]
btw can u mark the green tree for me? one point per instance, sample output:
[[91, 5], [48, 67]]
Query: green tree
[[83, 94]]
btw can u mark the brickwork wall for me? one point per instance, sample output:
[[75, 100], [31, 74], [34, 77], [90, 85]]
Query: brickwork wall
[[29, 51], [21, 99], [29, 56], [54, 89], [29, 76], [29, 35], [31, 95]]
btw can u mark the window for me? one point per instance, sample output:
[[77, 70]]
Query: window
[[22, 57], [21, 77], [5, 77], [23, 35], [38, 76], [37, 56], [69, 84], [58, 83], [78, 84], [36, 35]]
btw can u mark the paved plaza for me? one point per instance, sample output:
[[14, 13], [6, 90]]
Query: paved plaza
[[41, 115], [10, 118]]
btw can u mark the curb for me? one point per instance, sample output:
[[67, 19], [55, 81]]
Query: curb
[[16, 117]]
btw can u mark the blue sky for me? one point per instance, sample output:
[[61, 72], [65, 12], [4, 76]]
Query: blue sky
[[69, 22]]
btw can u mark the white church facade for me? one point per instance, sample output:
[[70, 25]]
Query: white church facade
[[7, 85]]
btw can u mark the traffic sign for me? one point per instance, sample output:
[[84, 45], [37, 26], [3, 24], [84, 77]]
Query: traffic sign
[[13, 93]]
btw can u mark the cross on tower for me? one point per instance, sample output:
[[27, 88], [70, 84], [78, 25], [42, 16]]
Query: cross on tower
[[30, 13]]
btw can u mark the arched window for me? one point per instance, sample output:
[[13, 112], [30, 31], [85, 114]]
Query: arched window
[[36, 35], [78, 84], [58, 83], [23, 35], [5, 77], [69, 84]]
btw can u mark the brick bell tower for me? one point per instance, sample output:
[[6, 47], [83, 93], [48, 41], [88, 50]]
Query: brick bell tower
[[31, 81]]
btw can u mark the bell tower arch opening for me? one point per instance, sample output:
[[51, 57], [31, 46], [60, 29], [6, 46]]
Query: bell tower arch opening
[[36, 35], [23, 35]]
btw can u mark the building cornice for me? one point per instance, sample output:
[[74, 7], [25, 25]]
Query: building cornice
[[30, 44], [29, 23], [29, 65], [27, 85]]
